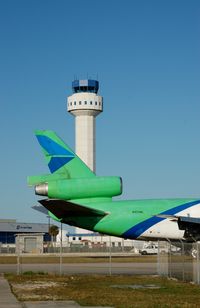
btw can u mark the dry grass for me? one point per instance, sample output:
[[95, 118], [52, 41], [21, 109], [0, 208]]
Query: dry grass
[[43, 259], [97, 290]]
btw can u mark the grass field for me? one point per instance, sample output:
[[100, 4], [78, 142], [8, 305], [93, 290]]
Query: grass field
[[43, 259], [120, 291]]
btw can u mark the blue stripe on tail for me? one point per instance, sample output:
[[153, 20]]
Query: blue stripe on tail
[[59, 156]]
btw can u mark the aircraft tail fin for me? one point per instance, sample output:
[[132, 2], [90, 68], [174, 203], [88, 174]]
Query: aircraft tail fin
[[60, 158]]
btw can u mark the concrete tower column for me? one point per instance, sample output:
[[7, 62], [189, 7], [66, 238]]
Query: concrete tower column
[[85, 105]]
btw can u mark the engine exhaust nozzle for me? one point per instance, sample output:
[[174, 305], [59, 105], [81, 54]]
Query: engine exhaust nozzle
[[41, 189]]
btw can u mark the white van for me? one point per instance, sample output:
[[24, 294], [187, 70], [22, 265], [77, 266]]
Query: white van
[[150, 249]]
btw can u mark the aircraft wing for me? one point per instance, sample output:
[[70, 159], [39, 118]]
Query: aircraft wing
[[185, 223], [171, 217], [191, 225], [189, 220], [62, 209], [182, 219]]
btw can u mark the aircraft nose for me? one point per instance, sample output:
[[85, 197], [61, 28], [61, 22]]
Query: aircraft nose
[[41, 189]]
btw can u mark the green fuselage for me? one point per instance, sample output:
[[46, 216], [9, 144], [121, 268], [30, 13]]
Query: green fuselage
[[123, 216]]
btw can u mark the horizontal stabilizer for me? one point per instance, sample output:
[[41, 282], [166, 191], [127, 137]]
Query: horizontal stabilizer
[[40, 209], [62, 209]]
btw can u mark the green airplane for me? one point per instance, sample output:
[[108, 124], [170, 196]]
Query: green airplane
[[76, 196]]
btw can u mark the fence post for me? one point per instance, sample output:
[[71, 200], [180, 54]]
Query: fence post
[[158, 260], [183, 260], [197, 262], [170, 259], [61, 249], [18, 254], [110, 257]]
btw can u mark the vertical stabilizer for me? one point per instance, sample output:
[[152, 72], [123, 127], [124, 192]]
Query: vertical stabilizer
[[60, 158]]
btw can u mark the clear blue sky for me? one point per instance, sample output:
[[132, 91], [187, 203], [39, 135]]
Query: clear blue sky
[[147, 57]]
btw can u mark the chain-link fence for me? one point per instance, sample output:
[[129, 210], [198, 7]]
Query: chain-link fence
[[179, 260], [79, 247]]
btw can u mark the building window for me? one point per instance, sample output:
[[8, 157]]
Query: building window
[[79, 238], [96, 103], [99, 103], [85, 102], [80, 103], [74, 238], [71, 103], [74, 103], [90, 102]]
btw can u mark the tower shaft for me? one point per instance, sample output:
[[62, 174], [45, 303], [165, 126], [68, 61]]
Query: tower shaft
[[85, 105], [85, 134]]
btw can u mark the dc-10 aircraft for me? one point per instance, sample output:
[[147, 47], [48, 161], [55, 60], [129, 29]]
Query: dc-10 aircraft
[[76, 196]]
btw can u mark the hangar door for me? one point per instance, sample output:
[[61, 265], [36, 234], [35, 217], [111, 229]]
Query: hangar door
[[30, 244]]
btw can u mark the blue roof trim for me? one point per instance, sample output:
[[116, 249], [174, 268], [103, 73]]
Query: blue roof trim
[[82, 234], [140, 228]]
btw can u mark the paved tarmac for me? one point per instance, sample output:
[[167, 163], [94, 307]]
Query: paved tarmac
[[84, 268], [8, 300]]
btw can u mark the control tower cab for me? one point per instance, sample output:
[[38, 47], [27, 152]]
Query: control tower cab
[[85, 104]]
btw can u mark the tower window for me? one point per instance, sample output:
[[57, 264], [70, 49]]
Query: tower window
[[85, 102], [80, 103], [74, 103], [90, 102], [71, 103], [96, 103], [99, 103]]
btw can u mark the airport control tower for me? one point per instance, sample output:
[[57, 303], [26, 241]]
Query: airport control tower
[[85, 104]]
